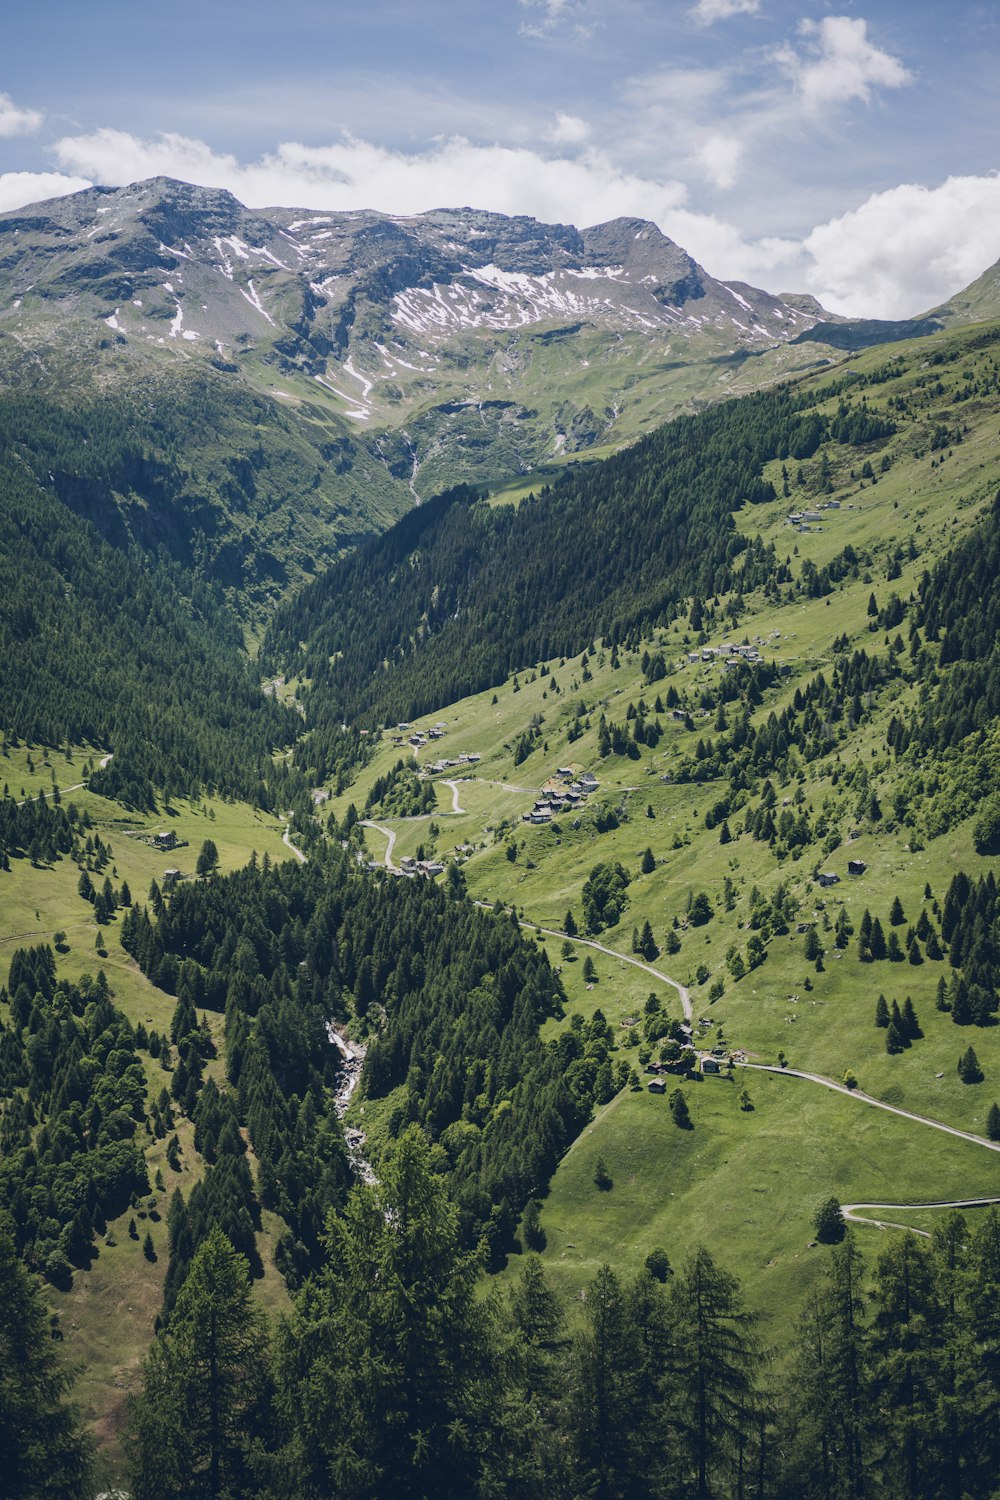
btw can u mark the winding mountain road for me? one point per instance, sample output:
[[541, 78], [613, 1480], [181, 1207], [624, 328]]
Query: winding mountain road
[[863, 1098], [637, 963], [286, 839], [454, 796], [76, 787], [390, 834], [850, 1212]]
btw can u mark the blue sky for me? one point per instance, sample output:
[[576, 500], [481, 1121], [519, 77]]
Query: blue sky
[[848, 149]]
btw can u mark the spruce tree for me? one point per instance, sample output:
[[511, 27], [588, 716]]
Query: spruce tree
[[881, 1012], [828, 1222], [907, 1332], [534, 1234], [832, 1402], [679, 1110], [878, 947], [993, 1122], [968, 1067], [894, 1040], [607, 1391]]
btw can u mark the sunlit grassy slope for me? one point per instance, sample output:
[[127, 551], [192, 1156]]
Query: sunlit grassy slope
[[747, 1183]]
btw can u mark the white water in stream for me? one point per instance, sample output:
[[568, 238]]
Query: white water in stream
[[354, 1058]]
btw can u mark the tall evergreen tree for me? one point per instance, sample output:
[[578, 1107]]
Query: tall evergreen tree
[[907, 1335], [718, 1362], [606, 1394], [829, 1388], [43, 1451], [204, 1387], [390, 1373]]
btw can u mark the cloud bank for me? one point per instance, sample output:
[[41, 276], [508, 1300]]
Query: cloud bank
[[895, 255]]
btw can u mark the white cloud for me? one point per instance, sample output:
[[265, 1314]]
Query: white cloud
[[895, 255], [353, 173], [14, 120], [905, 250], [568, 130], [720, 120], [720, 155], [548, 16], [707, 12], [839, 63], [20, 188]]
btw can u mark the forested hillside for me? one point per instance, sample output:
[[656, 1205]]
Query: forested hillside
[[245, 496], [127, 652], [452, 999], [459, 593]]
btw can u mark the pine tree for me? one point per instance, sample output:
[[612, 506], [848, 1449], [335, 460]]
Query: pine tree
[[43, 1450], [896, 916], [534, 1234], [881, 1012], [679, 1110], [878, 948], [540, 1359], [606, 1391], [910, 1024], [602, 1177], [907, 1332], [208, 860], [993, 1122], [648, 864], [830, 1387], [894, 1039], [828, 1222]]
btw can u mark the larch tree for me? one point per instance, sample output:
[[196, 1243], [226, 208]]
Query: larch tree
[[204, 1387]]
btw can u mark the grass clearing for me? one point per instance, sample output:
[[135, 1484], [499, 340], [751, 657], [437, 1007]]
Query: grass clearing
[[746, 1184]]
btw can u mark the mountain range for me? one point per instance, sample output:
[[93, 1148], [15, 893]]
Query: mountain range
[[448, 345], [416, 351]]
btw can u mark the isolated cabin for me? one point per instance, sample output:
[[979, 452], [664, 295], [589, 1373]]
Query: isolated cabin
[[856, 867]]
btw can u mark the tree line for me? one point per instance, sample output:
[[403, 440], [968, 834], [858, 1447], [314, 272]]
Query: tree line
[[397, 1371]]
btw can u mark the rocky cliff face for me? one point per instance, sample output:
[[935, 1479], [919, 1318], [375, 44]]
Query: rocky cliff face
[[461, 343]]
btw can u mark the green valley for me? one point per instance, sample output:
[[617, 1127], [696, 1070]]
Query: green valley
[[603, 870]]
